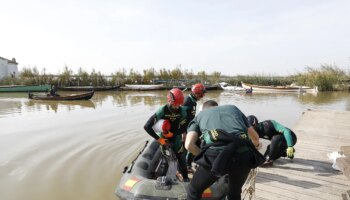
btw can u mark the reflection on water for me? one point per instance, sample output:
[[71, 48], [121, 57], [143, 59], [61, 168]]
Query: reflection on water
[[34, 105], [77, 149], [8, 107], [324, 98]]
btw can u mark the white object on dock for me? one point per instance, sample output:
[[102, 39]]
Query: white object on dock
[[333, 157]]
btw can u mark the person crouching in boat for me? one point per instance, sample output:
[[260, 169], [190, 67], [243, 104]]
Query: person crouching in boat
[[282, 139], [197, 93], [174, 116], [53, 91]]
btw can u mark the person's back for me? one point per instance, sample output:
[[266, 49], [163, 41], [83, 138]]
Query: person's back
[[227, 118], [228, 158]]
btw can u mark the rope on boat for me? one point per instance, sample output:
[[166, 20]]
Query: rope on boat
[[133, 162], [249, 185]]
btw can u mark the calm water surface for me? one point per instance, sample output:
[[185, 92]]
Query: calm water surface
[[77, 150]]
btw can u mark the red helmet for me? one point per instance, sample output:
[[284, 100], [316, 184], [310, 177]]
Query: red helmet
[[198, 89], [176, 97]]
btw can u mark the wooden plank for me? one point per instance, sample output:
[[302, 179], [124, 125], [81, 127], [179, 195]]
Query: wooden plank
[[308, 169], [278, 193], [292, 191], [344, 165], [300, 180], [310, 174], [267, 193], [345, 150]]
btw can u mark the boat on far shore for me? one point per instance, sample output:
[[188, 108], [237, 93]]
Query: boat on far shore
[[188, 88], [228, 87], [89, 88], [143, 87], [25, 88], [259, 88], [71, 97]]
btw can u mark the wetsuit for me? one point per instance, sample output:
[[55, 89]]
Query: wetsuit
[[280, 136], [231, 120], [177, 119], [191, 105]]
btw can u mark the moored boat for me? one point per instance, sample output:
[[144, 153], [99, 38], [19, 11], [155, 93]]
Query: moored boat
[[259, 88], [228, 87], [143, 87], [212, 87], [83, 96], [25, 88], [89, 88]]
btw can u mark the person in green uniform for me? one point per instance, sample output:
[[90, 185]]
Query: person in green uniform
[[197, 93], [174, 116], [215, 124], [282, 139]]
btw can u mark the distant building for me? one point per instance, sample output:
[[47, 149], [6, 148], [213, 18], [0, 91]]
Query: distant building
[[8, 68]]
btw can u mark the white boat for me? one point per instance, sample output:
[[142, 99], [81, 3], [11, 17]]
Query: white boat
[[259, 88], [143, 87], [227, 86], [306, 88]]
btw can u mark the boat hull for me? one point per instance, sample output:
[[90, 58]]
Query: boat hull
[[143, 87], [90, 88], [137, 181], [258, 88], [84, 96]]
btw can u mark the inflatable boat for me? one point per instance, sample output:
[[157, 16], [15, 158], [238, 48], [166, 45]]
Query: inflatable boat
[[152, 175], [145, 178]]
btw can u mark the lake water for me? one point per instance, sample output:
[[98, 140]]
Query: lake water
[[77, 150]]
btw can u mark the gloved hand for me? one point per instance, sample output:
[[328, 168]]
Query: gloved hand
[[163, 141], [290, 152], [168, 134], [166, 126]]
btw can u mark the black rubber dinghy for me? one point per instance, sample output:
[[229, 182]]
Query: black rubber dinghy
[[145, 178]]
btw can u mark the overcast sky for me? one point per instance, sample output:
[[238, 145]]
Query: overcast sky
[[233, 37]]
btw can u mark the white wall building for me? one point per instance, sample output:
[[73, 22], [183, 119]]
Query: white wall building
[[8, 68]]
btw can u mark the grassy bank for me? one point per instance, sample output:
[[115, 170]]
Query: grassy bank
[[326, 78]]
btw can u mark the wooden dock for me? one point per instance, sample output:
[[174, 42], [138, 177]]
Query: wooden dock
[[309, 176]]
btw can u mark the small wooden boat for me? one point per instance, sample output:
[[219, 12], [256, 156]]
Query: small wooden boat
[[84, 96], [188, 88], [143, 87], [25, 88], [258, 88], [89, 88]]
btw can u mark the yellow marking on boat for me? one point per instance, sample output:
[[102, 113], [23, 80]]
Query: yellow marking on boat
[[130, 184], [207, 193]]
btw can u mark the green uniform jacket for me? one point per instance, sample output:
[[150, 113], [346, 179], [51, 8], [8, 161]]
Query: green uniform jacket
[[227, 118], [178, 122]]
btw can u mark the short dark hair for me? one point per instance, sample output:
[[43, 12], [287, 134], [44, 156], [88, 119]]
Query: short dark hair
[[208, 104]]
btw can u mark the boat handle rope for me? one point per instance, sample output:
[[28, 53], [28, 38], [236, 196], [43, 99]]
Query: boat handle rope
[[133, 162]]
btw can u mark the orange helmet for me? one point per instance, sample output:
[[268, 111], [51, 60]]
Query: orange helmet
[[198, 89], [175, 97]]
